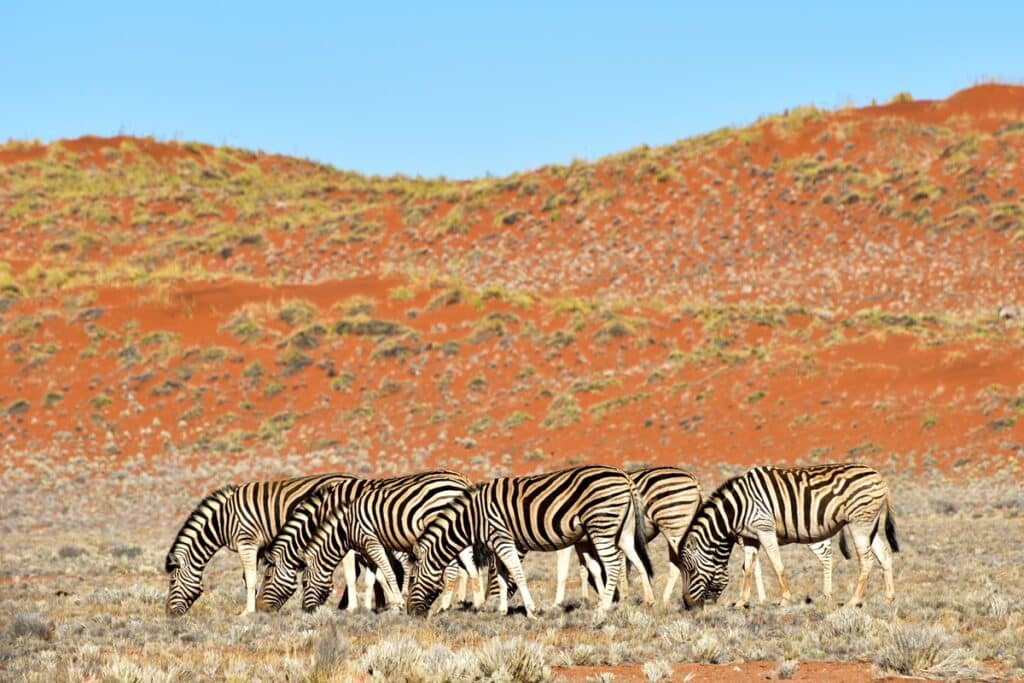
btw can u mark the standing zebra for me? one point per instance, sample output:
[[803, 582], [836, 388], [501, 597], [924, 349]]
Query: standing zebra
[[671, 496], [242, 518], [385, 518], [772, 505], [513, 515]]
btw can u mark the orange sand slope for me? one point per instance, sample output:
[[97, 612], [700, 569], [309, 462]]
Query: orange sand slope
[[818, 286]]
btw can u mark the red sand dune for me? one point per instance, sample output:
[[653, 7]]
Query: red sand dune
[[818, 286]]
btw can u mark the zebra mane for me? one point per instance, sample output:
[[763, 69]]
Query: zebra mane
[[711, 501], [199, 518], [308, 507]]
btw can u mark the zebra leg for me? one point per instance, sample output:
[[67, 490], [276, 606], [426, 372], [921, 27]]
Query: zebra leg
[[749, 561], [451, 575], [823, 551], [248, 553], [508, 556], [502, 591], [884, 554], [758, 578], [563, 559], [627, 543], [594, 571], [480, 595], [370, 580], [623, 584], [862, 542], [611, 560], [585, 581], [376, 553], [348, 566], [673, 568], [770, 543], [469, 570]]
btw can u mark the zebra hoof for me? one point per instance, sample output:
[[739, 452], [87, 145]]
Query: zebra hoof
[[739, 604]]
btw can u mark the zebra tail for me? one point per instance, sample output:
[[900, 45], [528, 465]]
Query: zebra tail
[[890, 526], [639, 531], [844, 545]]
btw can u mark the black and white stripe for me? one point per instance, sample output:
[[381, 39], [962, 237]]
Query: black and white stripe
[[241, 518], [385, 518], [510, 516], [772, 506]]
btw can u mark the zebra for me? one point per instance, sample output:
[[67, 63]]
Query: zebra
[[770, 505], [386, 518], [244, 518], [671, 496], [510, 516], [284, 556]]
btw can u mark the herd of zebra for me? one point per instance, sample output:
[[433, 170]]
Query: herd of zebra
[[432, 532]]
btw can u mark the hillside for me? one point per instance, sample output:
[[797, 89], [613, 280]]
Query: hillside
[[817, 286]]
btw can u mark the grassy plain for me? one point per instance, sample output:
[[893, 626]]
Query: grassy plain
[[82, 593]]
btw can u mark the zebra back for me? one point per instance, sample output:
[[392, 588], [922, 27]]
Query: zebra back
[[262, 507], [671, 498], [290, 542]]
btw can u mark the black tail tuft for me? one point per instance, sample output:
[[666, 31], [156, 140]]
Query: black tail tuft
[[380, 600], [890, 530], [844, 546], [640, 537]]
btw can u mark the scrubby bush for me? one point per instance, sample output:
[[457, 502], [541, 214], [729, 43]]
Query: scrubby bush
[[514, 659]]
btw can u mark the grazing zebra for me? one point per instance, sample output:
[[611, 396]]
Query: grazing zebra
[[284, 557], [242, 518], [386, 518], [671, 497], [772, 505], [510, 516], [822, 550]]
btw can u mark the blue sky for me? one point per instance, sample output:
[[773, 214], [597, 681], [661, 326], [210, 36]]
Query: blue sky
[[462, 90]]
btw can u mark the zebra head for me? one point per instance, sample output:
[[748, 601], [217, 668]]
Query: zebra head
[[422, 591], [705, 574], [280, 579], [446, 535], [186, 584], [200, 537], [323, 555]]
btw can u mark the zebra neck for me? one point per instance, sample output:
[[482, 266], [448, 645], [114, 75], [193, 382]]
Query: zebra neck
[[724, 515], [215, 534]]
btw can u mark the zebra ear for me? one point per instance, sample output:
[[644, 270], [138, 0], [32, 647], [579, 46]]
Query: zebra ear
[[171, 563]]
